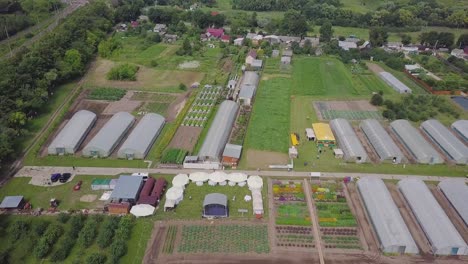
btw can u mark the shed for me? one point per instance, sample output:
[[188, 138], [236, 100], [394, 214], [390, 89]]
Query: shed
[[456, 192], [109, 136], [324, 135], [348, 141], [286, 60], [127, 189], [231, 154], [338, 153], [12, 202], [250, 78], [446, 141], [461, 128], [293, 153], [257, 64], [119, 208], [147, 187], [347, 45], [391, 230], [396, 84], [275, 53], [141, 139], [251, 56], [439, 230], [215, 205], [100, 184], [415, 143], [73, 133], [381, 141], [246, 94], [219, 131], [310, 135], [287, 53]]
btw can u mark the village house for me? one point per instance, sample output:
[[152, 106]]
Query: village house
[[251, 57], [160, 28]]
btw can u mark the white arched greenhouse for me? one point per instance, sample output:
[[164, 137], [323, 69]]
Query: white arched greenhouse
[[73, 133], [139, 142], [219, 132], [415, 143], [381, 141], [461, 128], [456, 192], [439, 230], [109, 136], [446, 141], [348, 141], [391, 230]]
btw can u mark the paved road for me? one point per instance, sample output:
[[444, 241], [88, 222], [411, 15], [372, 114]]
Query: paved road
[[38, 171]]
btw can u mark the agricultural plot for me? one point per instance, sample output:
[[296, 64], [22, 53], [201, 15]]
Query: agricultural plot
[[168, 247], [198, 114], [350, 110], [294, 236], [224, 239], [337, 224]]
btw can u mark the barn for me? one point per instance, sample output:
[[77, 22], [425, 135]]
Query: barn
[[381, 141], [140, 141], [219, 132], [391, 230], [348, 141], [248, 87], [439, 230], [127, 189], [73, 133], [396, 84], [231, 154], [414, 142], [215, 206], [461, 128], [456, 192], [446, 141], [109, 136], [324, 135]]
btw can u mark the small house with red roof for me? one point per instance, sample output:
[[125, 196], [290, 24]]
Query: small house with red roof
[[134, 24], [215, 32], [251, 56], [225, 38]]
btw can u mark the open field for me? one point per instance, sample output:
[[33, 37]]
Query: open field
[[351, 110]]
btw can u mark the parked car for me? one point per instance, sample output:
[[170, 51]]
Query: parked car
[[77, 187], [55, 177], [65, 177]]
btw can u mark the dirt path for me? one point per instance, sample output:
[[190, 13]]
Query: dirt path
[[315, 223], [271, 217], [374, 67], [157, 237], [416, 232]]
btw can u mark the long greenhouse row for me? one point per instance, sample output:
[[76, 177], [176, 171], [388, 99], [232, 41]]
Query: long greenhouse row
[[393, 233], [136, 146], [412, 139]]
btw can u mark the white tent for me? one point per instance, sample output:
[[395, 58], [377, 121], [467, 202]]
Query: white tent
[[218, 177], [142, 210], [257, 202], [173, 196], [180, 180], [237, 178], [199, 177], [255, 182]]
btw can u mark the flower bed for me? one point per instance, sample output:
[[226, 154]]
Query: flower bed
[[293, 214], [344, 238], [294, 236], [288, 191], [335, 214]]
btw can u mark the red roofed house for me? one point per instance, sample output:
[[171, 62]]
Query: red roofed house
[[214, 13], [214, 32], [225, 38], [251, 57], [134, 24]]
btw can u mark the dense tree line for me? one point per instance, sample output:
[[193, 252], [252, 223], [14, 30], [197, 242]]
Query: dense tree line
[[390, 14], [30, 78]]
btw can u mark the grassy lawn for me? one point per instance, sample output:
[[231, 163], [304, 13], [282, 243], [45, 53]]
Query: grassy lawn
[[135, 50], [269, 124], [76, 161]]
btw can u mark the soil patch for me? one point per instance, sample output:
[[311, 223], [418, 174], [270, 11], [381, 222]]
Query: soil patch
[[351, 110], [185, 138], [89, 198], [374, 67], [189, 65], [125, 104], [261, 159]]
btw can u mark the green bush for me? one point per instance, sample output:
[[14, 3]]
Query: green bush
[[51, 235], [88, 233], [106, 233], [110, 94], [174, 156], [123, 72], [18, 229], [63, 218]]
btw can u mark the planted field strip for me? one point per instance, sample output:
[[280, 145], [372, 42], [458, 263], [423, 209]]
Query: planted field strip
[[198, 114], [169, 242], [335, 214], [294, 236], [154, 97], [350, 115], [224, 239], [291, 208]]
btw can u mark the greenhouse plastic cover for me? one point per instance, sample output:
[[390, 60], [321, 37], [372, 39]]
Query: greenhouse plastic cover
[[438, 228], [385, 216], [461, 127], [394, 82], [218, 134], [416, 144], [447, 141], [348, 140], [381, 140], [456, 192]]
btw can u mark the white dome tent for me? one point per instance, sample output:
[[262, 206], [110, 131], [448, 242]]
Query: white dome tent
[[237, 178], [217, 177], [255, 182], [180, 180], [173, 197], [140, 210], [199, 177]]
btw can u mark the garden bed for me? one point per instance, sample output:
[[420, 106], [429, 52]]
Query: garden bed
[[199, 113], [344, 238], [294, 236]]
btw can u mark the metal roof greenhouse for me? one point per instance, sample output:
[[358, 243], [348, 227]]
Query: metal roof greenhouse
[[386, 219], [415, 143], [348, 141], [109, 136], [461, 127], [396, 84], [70, 137], [381, 141], [219, 131], [250, 78], [456, 192], [142, 137], [441, 233], [446, 141]]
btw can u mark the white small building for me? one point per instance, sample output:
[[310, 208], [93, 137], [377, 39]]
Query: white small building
[[232, 84], [257, 64], [238, 41], [310, 134], [347, 45]]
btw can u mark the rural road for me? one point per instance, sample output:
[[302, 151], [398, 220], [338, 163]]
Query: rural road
[[39, 171]]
